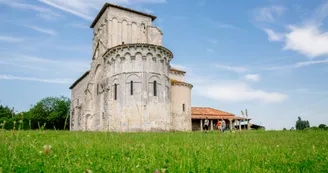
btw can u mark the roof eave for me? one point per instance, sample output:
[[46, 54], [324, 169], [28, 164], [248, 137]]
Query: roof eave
[[106, 5]]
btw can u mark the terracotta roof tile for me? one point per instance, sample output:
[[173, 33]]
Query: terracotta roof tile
[[177, 70], [173, 81], [203, 112]]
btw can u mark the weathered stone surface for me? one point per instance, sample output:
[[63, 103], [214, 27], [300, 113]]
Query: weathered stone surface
[[128, 87]]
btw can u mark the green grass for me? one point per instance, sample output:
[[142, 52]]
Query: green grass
[[253, 151]]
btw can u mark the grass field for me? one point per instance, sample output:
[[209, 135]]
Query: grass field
[[253, 151]]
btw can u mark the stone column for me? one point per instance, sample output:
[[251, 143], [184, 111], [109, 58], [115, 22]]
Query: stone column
[[247, 124], [239, 121], [201, 125], [211, 124], [230, 124]]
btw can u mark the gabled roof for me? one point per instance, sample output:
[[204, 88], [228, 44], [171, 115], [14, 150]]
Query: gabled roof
[[106, 5], [79, 79], [210, 113], [173, 81], [176, 70]]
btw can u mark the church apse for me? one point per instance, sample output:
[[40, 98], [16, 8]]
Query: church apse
[[128, 88]]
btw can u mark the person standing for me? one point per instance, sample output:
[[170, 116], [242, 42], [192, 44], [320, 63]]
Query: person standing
[[223, 125], [219, 125], [206, 124]]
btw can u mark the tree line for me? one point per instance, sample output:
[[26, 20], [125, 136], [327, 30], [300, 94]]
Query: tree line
[[48, 113]]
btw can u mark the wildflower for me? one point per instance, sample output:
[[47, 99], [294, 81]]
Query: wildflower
[[156, 171], [163, 170], [47, 149]]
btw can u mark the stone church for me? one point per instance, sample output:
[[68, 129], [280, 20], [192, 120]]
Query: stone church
[[130, 86]]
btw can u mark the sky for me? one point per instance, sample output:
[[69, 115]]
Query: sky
[[267, 56]]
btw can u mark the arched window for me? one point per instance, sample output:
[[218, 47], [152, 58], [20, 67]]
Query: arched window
[[115, 92], [155, 88], [131, 88], [183, 107]]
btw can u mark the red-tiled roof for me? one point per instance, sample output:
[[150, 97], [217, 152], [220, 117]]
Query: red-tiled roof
[[210, 113], [173, 81], [177, 70], [120, 7]]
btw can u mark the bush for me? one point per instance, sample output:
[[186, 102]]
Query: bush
[[302, 124], [323, 127], [51, 112]]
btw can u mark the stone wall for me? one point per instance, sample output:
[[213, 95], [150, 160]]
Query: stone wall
[[78, 104], [181, 107], [117, 26]]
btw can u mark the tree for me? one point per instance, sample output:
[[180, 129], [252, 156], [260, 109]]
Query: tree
[[284, 129], [6, 112], [51, 112], [323, 127], [302, 124]]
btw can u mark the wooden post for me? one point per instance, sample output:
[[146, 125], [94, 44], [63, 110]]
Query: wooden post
[[201, 125], [211, 124], [230, 124], [248, 124], [239, 121]]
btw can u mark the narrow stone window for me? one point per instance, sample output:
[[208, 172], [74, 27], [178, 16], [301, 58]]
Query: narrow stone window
[[115, 92], [131, 88], [183, 107], [155, 88]]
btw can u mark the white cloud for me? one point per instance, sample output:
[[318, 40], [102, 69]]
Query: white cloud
[[77, 25], [57, 81], [210, 50], [87, 9], [43, 12], [10, 39], [274, 36], [268, 14], [234, 91], [148, 11], [253, 77], [308, 40], [43, 64], [213, 41], [178, 66], [298, 65], [238, 69], [42, 30], [228, 26]]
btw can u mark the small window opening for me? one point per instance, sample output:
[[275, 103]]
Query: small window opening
[[155, 88], [123, 42], [115, 92], [183, 107], [131, 88]]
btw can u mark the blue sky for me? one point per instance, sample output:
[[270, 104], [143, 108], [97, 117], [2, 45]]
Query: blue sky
[[267, 56]]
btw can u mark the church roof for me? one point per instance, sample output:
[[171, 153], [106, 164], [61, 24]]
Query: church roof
[[79, 79], [210, 113], [106, 5], [177, 70], [173, 81]]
